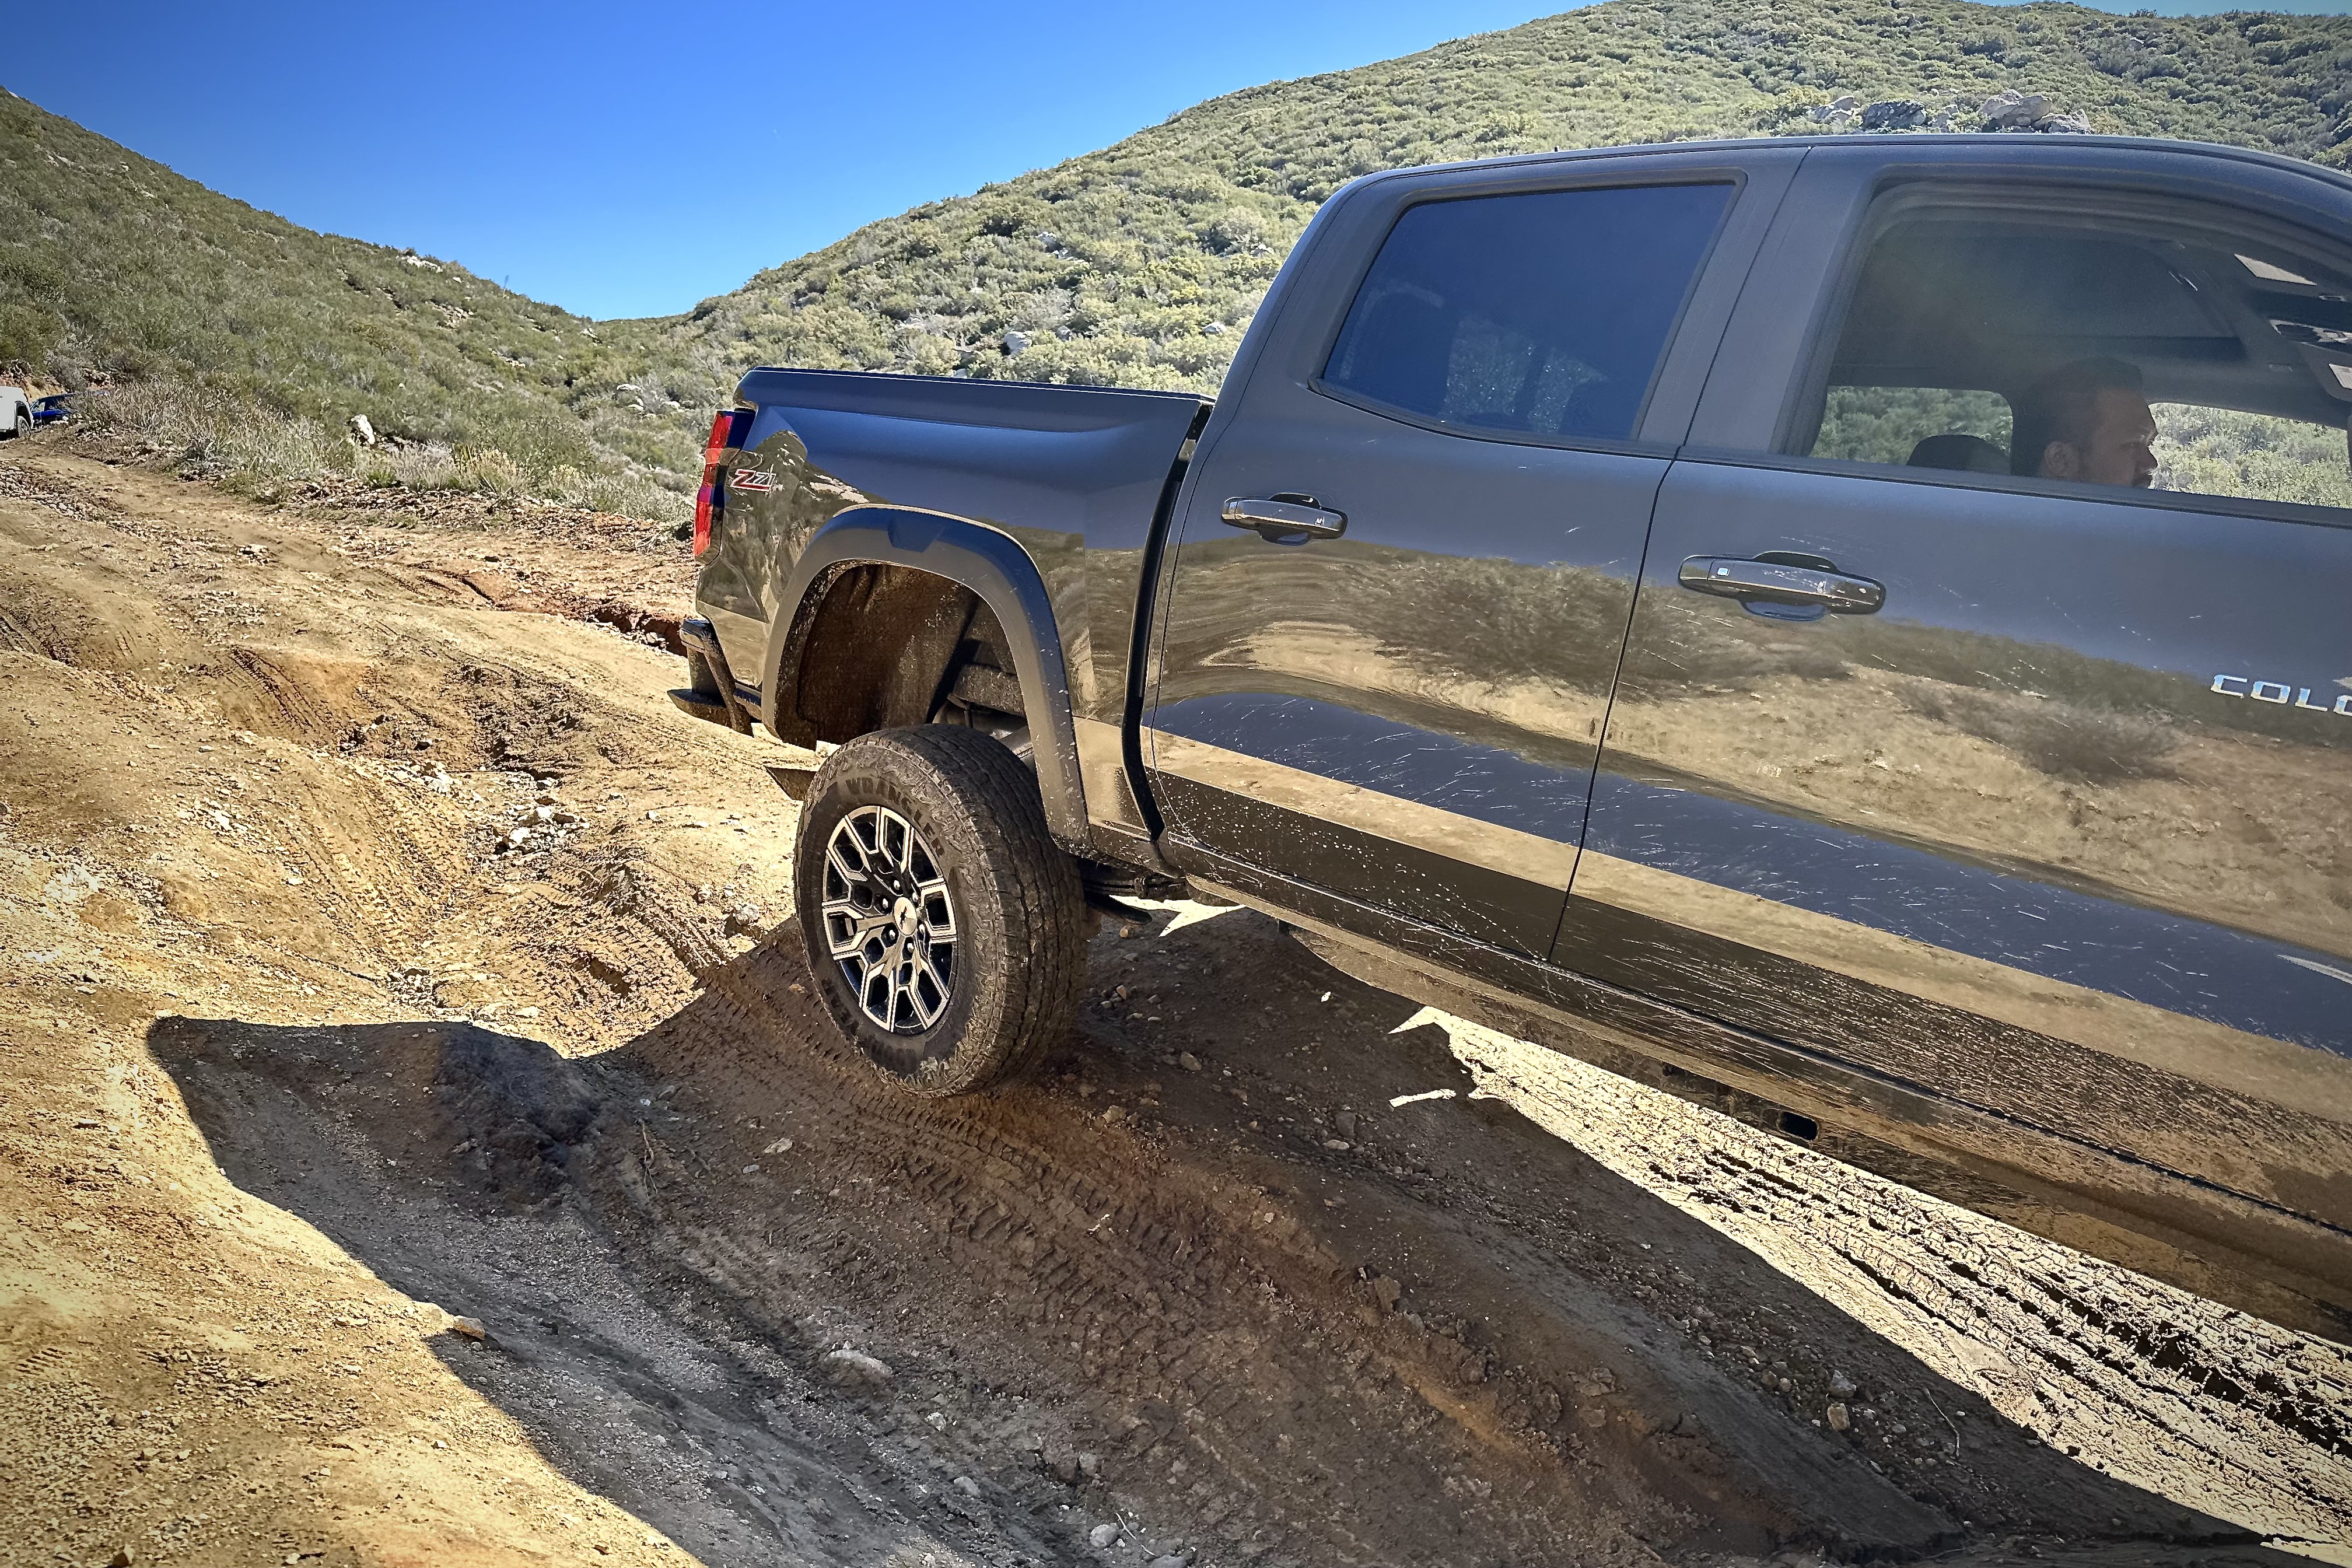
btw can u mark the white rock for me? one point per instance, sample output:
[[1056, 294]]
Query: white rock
[[856, 1369], [1102, 1535]]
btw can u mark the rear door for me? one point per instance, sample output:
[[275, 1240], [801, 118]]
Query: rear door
[[2032, 791], [1466, 392]]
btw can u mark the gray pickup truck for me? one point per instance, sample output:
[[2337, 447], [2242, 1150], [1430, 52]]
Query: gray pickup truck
[[1856, 631]]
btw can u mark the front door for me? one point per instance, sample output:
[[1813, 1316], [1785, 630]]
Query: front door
[[1949, 746], [1397, 701]]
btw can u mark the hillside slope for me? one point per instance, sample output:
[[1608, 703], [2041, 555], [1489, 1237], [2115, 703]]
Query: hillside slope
[[117, 270], [1141, 263]]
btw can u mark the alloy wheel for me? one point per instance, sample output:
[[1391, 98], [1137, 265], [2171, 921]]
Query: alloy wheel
[[888, 921]]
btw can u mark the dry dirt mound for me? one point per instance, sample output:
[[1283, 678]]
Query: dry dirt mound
[[375, 954]]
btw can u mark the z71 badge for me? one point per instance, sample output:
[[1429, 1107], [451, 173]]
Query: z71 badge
[[755, 480]]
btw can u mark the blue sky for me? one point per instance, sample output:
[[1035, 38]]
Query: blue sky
[[629, 160]]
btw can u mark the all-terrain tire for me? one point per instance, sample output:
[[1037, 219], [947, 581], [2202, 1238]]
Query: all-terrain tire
[[1018, 913], [24, 425]]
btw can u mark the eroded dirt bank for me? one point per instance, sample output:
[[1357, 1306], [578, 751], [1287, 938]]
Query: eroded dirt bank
[[304, 1054]]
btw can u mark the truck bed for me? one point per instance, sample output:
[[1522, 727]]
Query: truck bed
[[1078, 475]]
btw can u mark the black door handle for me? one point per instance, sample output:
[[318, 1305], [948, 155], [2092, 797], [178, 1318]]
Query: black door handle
[[1286, 519], [1784, 578]]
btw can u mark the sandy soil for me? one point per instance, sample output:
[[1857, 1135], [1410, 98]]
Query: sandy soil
[[379, 1189]]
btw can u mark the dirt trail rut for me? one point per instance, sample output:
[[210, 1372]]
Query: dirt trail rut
[[420, 1144]]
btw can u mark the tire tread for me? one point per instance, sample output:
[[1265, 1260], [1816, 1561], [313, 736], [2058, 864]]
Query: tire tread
[[1033, 877]]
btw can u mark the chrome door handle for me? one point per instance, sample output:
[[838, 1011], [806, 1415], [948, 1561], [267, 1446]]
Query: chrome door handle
[[1784, 578], [1285, 518]]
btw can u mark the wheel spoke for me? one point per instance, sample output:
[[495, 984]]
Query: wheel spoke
[[929, 989], [938, 908], [846, 927], [838, 863]]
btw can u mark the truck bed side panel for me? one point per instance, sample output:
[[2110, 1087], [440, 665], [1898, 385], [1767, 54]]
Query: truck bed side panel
[[1074, 474]]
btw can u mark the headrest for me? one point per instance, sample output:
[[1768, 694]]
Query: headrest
[[1959, 453]]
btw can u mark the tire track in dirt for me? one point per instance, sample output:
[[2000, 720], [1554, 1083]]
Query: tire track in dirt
[[2238, 1417], [1200, 1281], [1214, 1332]]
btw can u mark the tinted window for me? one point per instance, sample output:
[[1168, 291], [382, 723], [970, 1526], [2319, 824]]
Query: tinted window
[[2126, 351], [1543, 314]]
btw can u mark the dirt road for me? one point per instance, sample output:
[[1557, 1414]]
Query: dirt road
[[419, 1145]]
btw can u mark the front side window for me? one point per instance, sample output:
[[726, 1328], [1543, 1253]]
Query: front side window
[[2131, 352], [1544, 314]]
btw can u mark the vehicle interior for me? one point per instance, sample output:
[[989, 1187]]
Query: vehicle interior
[[2240, 341]]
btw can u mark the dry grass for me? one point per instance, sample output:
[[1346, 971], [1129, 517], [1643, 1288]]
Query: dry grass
[[2064, 740], [260, 452]]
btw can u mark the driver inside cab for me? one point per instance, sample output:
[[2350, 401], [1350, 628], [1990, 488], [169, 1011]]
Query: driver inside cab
[[2089, 421]]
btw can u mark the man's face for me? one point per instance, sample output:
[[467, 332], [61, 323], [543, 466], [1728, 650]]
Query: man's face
[[2120, 449]]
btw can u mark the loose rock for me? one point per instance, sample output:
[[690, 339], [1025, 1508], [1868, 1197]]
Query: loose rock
[[854, 1369], [1102, 1535]]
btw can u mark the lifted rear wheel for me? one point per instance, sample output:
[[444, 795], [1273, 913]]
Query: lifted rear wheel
[[944, 929]]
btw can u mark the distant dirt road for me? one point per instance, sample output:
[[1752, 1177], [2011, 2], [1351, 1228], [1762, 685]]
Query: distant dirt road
[[418, 1145]]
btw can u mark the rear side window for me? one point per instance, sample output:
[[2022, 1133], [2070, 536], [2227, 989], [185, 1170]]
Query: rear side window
[[1543, 314]]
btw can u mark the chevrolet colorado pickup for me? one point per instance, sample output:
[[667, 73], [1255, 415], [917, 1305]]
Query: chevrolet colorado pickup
[[1856, 631]]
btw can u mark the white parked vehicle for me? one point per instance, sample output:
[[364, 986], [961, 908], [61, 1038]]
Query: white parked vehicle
[[15, 412]]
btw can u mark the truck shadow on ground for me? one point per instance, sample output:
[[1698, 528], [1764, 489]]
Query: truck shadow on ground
[[1201, 1279]]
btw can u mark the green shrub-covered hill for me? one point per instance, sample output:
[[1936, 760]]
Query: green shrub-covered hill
[[1139, 265]]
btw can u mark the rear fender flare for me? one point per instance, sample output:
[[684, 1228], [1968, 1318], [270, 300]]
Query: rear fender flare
[[974, 555]]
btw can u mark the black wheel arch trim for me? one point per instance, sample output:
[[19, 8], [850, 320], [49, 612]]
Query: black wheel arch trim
[[974, 555]]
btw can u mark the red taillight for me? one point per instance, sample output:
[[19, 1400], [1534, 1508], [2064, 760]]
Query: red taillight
[[706, 502], [726, 433]]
